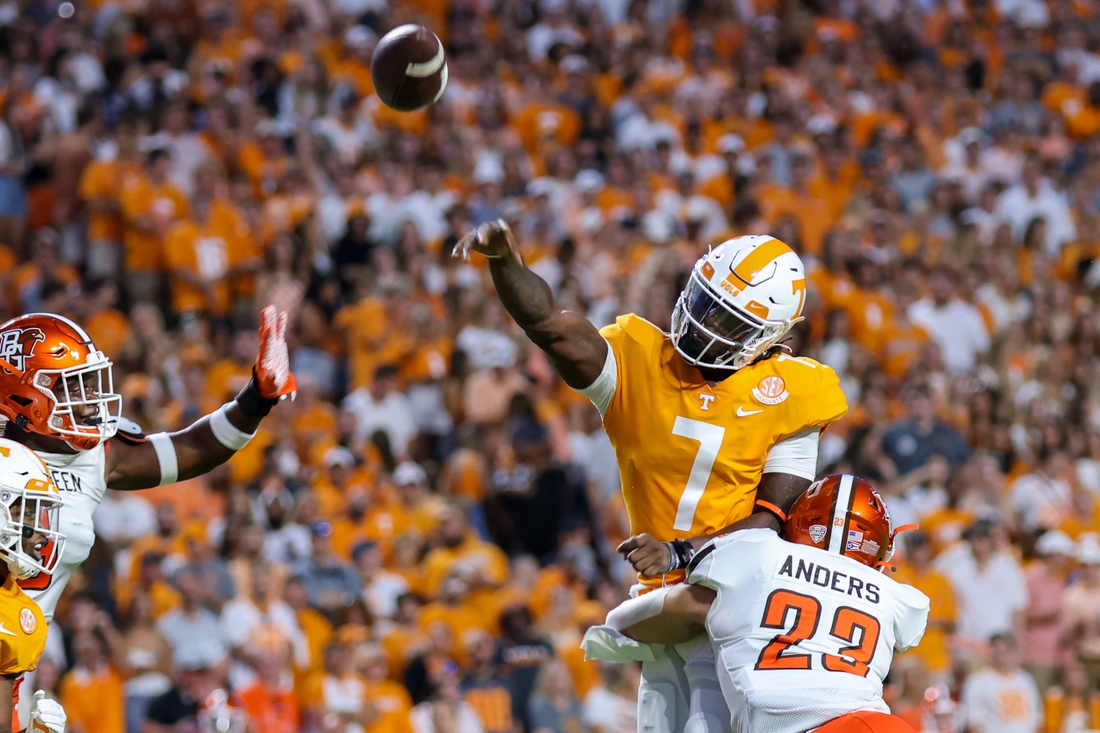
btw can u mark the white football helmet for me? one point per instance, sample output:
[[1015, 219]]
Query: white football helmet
[[29, 504], [742, 298]]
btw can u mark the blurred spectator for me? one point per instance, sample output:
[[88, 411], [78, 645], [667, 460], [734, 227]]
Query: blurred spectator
[[269, 701], [990, 590], [92, 691], [381, 588], [337, 690], [1044, 498], [612, 706], [486, 692], [910, 443], [330, 583], [382, 407], [145, 660], [390, 699], [1081, 611], [209, 568], [260, 624], [536, 499], [178, 708], [521, 655], [955, 324], [1001, 698], [554, 707], [123, 517], [918, 571], [1035, 197], [446, 711], [1046, 588], [435, 661], [480, 563], [192, 630]]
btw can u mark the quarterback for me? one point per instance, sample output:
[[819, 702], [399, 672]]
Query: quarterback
[[57, 393], [30, 545], [714, 427], [804, 627]]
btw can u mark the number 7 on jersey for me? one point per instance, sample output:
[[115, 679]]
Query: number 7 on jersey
[[710, 442]]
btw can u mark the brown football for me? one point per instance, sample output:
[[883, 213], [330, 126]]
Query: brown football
[[409, 68]]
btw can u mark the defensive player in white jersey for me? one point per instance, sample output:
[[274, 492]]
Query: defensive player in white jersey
[[57, 393], [804, 627]]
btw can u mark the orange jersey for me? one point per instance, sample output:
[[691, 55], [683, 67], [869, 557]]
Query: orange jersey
[[22, 630], [691, 454]]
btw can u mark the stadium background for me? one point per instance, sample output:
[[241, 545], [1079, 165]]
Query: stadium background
[[432, 522]]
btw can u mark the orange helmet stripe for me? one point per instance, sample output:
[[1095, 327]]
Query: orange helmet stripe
[[764, 254]]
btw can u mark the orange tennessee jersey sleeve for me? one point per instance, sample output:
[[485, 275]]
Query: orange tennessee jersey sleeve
[[22, 630]]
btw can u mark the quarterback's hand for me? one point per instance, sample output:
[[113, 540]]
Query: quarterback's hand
[[648, 555], [47, 715], [494, 239], [273, 375]]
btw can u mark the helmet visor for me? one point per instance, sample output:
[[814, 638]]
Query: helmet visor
[[717, 318], [86, 405], [32, 536]]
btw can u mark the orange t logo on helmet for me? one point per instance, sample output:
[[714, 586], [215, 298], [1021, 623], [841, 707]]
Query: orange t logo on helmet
[[55, 383]]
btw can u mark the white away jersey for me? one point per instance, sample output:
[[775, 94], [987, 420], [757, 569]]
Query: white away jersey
[[801, 636], [82, 480]]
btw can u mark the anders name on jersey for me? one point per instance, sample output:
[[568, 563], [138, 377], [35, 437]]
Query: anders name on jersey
[[805, 626], [57, 394]]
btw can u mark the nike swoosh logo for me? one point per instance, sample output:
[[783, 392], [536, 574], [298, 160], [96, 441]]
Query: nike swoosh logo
[[428, 67], [742, 412], [3, 630]]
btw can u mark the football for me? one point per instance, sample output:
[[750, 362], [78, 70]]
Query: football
[[409, 68]]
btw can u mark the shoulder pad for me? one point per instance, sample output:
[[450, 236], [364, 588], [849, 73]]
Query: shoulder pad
[[632, 327], [130, 432]]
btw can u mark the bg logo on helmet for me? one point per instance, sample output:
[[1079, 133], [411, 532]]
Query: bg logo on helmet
[[17, 344]]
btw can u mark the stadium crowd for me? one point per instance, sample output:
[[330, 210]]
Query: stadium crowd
[[418, 542]]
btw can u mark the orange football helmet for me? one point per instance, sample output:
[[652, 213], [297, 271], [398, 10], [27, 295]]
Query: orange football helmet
[[846, 516], [49, 372]]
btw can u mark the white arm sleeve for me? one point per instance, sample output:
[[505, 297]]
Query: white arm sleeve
[[911, 619], [603, 389], [796, 455]]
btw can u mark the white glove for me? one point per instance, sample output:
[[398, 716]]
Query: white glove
[[608, 645], [47, 715]]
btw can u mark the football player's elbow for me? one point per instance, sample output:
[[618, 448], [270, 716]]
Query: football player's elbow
[[690, 601]]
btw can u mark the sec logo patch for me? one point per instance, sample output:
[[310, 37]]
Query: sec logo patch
[[27, 621], [771, 391]]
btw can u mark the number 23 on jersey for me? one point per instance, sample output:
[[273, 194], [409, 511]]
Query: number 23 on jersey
[[857, 630]]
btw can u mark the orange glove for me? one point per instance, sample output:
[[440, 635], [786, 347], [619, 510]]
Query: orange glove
[[273, 375]]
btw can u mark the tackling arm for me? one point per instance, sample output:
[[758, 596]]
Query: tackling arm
[[165, 458], [681, 618], [574, 346]]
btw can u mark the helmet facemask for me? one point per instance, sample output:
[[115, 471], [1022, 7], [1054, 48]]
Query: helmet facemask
[[72, 389], [25, 514], [711, 333]]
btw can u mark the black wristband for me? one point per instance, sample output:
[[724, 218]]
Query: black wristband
[[682, 552], [251, 402]]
